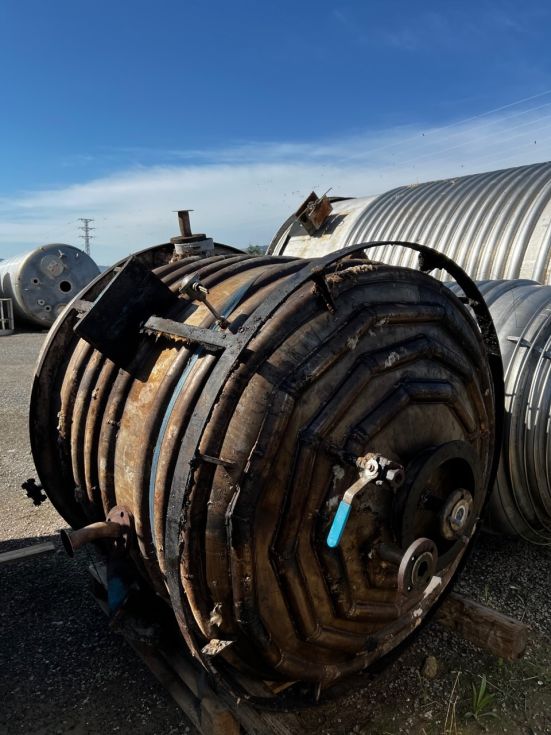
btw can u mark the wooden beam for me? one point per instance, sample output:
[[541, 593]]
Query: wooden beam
[[27, 551], [488, 629], [216, 718]]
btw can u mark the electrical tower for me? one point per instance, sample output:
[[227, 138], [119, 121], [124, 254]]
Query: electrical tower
[[86, 229]]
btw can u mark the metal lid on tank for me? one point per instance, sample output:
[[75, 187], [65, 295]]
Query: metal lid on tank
[[50, 277]]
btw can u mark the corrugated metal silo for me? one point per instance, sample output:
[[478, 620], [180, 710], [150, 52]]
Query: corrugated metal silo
[[521, 502], [494, 225]]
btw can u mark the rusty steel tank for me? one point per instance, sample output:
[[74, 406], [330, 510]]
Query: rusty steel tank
[[294, 454], [41, 282]]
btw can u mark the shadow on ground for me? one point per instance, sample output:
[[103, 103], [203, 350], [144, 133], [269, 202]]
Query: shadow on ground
[[62, 669]]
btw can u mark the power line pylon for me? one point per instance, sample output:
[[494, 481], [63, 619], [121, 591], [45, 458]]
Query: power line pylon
[[86, 229]]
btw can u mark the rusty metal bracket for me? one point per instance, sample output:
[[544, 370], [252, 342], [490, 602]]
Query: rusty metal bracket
[[313, 212], [111, 324], [210, 340], [216, 460], [322, 289]]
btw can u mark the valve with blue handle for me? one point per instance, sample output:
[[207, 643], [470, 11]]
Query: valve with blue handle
[[373, 468]]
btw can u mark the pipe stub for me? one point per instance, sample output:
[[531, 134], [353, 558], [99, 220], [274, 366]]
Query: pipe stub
[[65, 537]]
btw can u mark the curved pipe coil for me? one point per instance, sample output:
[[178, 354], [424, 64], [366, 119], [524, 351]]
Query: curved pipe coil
[[494, 225], [335, 381], [521, 501], [43, 281]]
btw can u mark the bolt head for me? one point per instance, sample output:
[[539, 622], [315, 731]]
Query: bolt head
[[372, 466]]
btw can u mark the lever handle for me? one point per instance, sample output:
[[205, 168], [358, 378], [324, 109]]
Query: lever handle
[[372, 468], [339, 524]]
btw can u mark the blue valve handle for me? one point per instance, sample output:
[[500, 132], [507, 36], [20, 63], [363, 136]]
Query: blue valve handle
[[339, 524]]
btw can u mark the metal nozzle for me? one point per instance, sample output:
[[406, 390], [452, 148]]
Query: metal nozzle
[[73, 540]]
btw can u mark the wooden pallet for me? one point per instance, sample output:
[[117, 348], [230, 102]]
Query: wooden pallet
[[187, 683]]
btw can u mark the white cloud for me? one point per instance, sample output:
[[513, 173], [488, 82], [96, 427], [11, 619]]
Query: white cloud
[[241, 194]]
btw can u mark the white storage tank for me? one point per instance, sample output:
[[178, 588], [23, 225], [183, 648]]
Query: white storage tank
[[42, 282], [494, 225]]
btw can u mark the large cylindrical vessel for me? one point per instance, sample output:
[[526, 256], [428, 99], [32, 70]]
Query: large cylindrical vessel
[[521, 500], [43, 281], [305, 447], [497, 223], [494, 225]]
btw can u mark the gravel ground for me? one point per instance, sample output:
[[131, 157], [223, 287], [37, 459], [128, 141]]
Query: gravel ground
[[64, 671]]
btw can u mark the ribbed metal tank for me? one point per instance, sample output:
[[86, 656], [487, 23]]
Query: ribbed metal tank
[[495, 225], [43, 281], [294, 453], [521, 500]]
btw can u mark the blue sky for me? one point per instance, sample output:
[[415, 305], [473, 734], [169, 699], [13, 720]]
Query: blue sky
[[125, 111]]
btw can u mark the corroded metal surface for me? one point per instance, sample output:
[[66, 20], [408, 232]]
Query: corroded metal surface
[[232, 454], [494, 225]]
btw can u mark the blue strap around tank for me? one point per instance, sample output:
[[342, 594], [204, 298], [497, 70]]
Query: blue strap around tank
[[199, 351]]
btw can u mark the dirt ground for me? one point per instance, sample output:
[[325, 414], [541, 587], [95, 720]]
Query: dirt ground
[[63, 671]]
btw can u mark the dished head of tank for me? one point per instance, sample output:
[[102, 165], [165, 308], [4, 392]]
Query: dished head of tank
[[49, 278], [395, 377]]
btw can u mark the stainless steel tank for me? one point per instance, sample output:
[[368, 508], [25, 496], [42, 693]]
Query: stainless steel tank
[[521, 500], [494, 225], [295, 453], [43, 281]]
